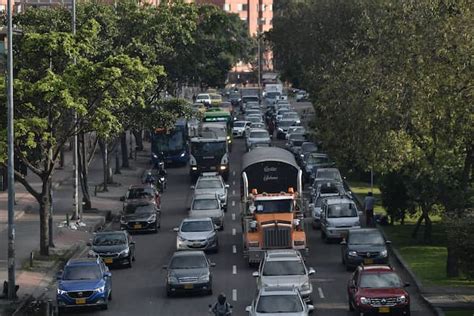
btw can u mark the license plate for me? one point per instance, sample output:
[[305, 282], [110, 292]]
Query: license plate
[[384, 309], [108, 260], [368, 261], [80, 301], [197, 244], [188, 286], [137, 226]]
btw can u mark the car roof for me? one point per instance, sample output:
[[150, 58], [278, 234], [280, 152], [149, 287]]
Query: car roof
[[257, 130], [279, 290], [202, 219], [338, 200], [376, 268], [184, 253], [110, 232], [82, 262], [241, 121], [277, 255], [205, 196]]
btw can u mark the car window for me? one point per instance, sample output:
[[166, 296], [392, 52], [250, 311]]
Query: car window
[[205, 204], [188, 262], [109, 239], [279, 304], [83, 272], [259, 134], [197, 226], [342, 210], [293, 267], [365, 238], [380, 280], [329, 174], [239, 124], [209, 184]]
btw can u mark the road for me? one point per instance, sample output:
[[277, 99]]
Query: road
[[141, 289]]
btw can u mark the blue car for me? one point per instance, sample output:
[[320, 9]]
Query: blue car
[[84, 282]]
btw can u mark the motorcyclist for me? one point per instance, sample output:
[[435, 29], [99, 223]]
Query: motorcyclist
[[150, 178], [221, 307]]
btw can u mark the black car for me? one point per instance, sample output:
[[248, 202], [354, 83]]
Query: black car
[[142, 193], [364, 246], [306, 148], [114, 247], [140, 217], [312, 162]]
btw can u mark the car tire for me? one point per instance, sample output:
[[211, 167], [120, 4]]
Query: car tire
[[323, 236], [351, 308], [110, 296], [209, 292], [169, 293], [130, 259], [104, 306]]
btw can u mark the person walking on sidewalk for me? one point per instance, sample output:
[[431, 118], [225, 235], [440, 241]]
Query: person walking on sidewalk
[[369, 203]]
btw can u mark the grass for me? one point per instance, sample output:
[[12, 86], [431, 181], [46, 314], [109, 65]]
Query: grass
[[459, 313], [428, 261]]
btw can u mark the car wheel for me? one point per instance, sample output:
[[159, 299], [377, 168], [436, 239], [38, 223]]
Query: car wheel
[[130, 259], [209, 292], [104, 306], [351, 308], [110, 296], [169, 293], [323, 236]]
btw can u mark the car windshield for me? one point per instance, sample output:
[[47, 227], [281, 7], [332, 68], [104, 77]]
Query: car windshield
[[293, 267], [272, 95], [250, 99], [188, 262], [139, 209], [205, 204], [82, 272], [290, 116], [197, 226], [342, 210], [289, 303], [273, 206], [140, 193], [329, 174], [329, 189], [365, 238], [216, 97], [309, 148], [380, 280], [209, 184], [254, 119], [208, 148], [109, 239], [202, 97], [285, 123], [315, 160], [262, 134], [239, 124]]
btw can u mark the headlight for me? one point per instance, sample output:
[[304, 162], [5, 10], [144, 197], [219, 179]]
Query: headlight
[[305, 286], [152, 219], [92, 253], [124, 252], [228, 137], [204, 278], [383, 253], [172, 279], [223, 167], [61, 292], [100, 289], [280, 129], [181, 239], [364, 300], [182, 154], [352, 253], [401, 299], [254, 243], [194, 168]]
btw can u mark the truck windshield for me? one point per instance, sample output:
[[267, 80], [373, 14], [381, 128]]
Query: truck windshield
[[272, 95], [209, 149], [274, 206]]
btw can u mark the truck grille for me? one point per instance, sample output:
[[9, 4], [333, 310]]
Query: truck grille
[[276, 237], [383, 301]]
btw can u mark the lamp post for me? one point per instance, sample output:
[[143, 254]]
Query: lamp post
[[76, 141]]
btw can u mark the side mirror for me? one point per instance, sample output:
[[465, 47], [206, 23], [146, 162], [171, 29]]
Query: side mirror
[[59, 275], [210, 305], [310, 308], [388, 242], [216, 227], [165, 267], [256, 274], [175, 229], [212, 264], [132, 242], [311, 271], [122, 198], [406, 284], [193, 187], [107, 274], [89, 244], [248, 309], [227, 186], [343, 242]]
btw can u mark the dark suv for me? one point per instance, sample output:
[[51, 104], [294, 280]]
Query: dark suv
[[377, 289], [365, 246]]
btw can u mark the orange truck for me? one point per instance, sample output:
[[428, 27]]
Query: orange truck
[[272, 203]]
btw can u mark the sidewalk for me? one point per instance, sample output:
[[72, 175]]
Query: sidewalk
[[68, 242]]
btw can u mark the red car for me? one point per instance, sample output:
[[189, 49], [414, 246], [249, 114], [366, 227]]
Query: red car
[[378, 290]]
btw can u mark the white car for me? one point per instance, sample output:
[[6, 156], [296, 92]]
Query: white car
[[279, 300], [257, 135], [338, 216], [295, 130], [204, 98], [238, 130]]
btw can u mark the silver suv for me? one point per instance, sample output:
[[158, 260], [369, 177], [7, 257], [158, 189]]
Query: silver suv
[[279, 301], [208, 205], [285, 268], [212, 183], [338, 216]]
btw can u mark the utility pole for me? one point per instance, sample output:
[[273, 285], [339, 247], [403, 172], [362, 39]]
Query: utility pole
[[76, 141], [11, 170], [259, 39]]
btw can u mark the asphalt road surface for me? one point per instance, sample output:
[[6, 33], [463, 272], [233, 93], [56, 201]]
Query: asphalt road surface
[[141, 289]]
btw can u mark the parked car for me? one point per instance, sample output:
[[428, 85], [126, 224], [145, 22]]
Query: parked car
[[279, 301], [189, 271], [84, 282], [140, 194], [283, 126], [256, 135], [338, 216], [114, 247], [212, 183], [208, 205], [377, 289], [204, 98], [140, 217], [364, 246], [285, 268], [197, 234], [238, 129]]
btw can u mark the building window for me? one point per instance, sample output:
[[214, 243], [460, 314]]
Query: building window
[[2, 8], [242, 7], [226, 6], [270, 7]]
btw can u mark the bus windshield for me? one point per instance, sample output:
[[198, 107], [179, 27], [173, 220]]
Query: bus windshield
[[168, 142]]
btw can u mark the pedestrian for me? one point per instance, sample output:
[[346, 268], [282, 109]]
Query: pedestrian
[[194, 97], [369, 202]]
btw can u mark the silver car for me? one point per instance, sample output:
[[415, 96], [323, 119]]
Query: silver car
[[257, 135], [281, 301], [212, 183], [208, 205], [238, 129], [338, 216], [285, 268], [197, 234]]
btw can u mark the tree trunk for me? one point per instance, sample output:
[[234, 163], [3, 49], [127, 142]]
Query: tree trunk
[[138, 140], [61, 158], [105, 165], [44, 205], [117, 161], [417, 226], [428, 225], [110, 151], [452, 267], [83, 168], [123, 145]]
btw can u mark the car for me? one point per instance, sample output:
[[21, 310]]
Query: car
[[317, 183], [364, 246], [260, 125], [254, 119], [301, 95], [258, 145], [204, 98], [328, 173], [285, 268], [141, 194], [116, 248], [216, 98], [257, 135], [238, 129], [234, 98], [314, 161], [208, 205], [279, 301], [294, 143], [251, 111], [189, 271], [272, 96], [140, 218], [280, 112], [291, 116], [324, 191], [197, 234], [377, 289], [84, 282], [212, 183], [338, 216], [283, 126], [306, 148], [295, 130]]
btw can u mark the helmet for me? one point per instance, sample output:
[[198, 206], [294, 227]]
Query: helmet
[[221, 298]]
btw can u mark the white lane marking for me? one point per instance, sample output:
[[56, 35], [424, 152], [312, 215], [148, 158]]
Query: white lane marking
[[233, 231], [234, 295], [233, 216], [233, 173], [234, 249], [234, 269], [233, 192], [320, 291], [233, 182], [233, 203]]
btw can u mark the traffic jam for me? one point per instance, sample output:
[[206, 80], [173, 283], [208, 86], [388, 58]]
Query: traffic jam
[[252, 172]]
